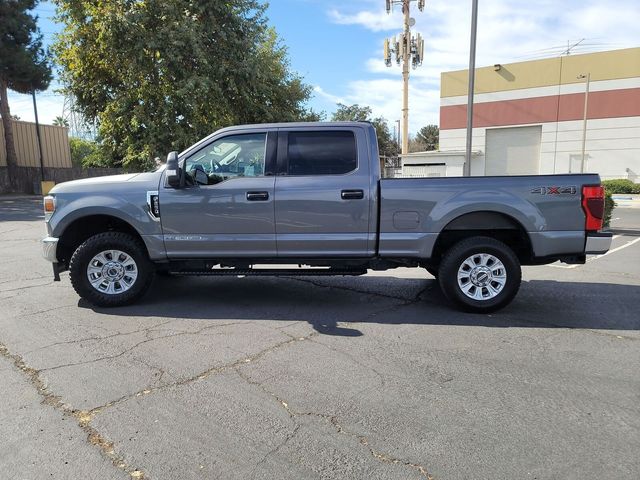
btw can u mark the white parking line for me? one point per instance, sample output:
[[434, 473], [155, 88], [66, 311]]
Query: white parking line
[[595, 257]]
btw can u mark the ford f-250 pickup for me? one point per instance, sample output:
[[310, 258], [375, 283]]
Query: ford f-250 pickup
[[310, 194]]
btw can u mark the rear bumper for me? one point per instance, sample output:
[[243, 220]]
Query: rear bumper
[[598, 243], [49, 249]]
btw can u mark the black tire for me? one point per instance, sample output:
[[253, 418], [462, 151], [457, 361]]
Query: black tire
[[110, 241], [432, 271], [454, 259]]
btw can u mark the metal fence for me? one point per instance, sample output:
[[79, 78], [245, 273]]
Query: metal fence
[[55, 145]]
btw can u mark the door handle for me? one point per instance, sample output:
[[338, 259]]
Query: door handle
[[352, 194], [257, 196]]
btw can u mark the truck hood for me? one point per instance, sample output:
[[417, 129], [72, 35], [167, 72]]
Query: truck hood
[[112, 183]]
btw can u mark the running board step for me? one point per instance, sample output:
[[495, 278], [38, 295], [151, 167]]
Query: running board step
[[234, 272]]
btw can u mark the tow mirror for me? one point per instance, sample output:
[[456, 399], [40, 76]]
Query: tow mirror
[[173, 170]]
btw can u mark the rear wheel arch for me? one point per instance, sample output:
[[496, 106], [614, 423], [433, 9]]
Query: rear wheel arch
[[497, 225]]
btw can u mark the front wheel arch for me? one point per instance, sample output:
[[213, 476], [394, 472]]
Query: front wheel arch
[[82, 228]]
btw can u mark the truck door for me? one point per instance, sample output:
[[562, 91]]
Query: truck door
[[323, 193], [228, 211]]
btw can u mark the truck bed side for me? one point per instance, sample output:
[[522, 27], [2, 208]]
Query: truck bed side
[[414, 211]]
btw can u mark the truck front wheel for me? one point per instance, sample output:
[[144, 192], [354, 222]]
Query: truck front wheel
[[480, 274], [111, 269]]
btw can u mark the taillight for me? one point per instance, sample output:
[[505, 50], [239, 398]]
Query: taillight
[[593, 206]]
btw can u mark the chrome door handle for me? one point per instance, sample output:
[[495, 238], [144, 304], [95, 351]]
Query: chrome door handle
[[257, 196]]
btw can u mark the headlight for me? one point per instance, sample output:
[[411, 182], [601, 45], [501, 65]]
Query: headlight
[[49, 207]]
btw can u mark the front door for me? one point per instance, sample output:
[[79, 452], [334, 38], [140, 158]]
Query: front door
[[226, 208], [323, 194]]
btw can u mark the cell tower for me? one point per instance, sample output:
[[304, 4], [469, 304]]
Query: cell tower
[[406, 48], [78, 126]]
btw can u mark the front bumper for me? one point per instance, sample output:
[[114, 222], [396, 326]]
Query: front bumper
[[598, 243], [49, 249]]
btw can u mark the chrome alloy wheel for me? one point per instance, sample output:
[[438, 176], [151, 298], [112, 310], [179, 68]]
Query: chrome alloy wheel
[[112, 272], [482, 276]]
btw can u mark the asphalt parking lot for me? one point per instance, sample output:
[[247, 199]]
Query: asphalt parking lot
[[372, 377]]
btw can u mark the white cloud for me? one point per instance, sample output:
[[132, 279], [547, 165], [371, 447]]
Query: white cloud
[[507, 32], [327, 96], [372, 20]]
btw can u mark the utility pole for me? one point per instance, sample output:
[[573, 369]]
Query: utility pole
[[405, 78], [407, 49], [472, 77], [584, 119], [35, 111]]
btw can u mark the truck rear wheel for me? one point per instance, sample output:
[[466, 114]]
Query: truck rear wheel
[[111, 269], [480, 274]]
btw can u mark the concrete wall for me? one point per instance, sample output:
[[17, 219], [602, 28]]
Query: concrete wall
[[612, 147]]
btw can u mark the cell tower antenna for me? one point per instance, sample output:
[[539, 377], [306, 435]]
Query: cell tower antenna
[[407, 49]]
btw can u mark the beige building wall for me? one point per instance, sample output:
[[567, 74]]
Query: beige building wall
[[548, 94], [56, 152]]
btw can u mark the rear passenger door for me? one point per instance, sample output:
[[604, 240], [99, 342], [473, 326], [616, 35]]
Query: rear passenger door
[[322, 193]]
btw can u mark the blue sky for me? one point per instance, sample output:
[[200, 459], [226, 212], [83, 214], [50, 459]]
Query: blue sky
[[337, 45]]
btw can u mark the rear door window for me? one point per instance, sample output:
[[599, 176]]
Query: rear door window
[[321, 153]]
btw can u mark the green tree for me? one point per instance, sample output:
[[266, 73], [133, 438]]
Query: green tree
[[426, 139], [86, 153], [60, 122], [357, 113], [23, 62], [159, 75]]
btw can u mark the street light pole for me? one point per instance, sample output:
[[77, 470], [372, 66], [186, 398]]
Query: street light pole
[[472, 78], [584, 119]]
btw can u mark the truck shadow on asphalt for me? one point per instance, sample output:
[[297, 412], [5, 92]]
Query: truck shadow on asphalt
[[333, 306], [21, 209]]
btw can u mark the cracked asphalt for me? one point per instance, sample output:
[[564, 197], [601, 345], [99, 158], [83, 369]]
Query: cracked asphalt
[[319, 378]]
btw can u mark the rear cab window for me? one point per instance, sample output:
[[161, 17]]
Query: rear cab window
[[321, 153]]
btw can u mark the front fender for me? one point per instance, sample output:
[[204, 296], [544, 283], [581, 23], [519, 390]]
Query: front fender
[[68, 210], [131, 208]]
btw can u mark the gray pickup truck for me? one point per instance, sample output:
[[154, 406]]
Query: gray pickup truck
[[310, 195]]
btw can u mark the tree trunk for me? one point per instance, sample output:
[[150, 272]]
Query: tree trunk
[[12, 159]]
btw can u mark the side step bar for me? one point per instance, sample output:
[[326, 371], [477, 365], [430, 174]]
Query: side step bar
[[234, 272]]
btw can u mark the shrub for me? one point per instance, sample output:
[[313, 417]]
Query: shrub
[[87, 153], [621, 186], [609, 205]]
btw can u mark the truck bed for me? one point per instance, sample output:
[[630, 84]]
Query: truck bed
[[413, 211]]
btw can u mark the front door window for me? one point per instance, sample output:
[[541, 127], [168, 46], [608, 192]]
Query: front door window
[[228, 157]]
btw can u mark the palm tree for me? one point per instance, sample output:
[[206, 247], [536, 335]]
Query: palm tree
[[61, 122]]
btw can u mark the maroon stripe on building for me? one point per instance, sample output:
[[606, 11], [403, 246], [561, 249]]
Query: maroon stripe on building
[[603, 104]]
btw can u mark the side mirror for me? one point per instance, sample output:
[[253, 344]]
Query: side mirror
[[173, 170]]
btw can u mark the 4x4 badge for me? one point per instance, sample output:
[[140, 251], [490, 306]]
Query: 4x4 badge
[[570, 190]]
